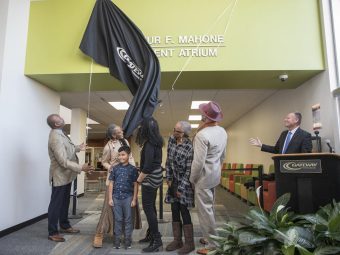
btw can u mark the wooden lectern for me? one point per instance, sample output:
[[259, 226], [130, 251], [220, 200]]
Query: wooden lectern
[[313, 179]]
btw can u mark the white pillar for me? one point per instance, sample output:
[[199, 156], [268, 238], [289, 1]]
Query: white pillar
[[24, 160], [78, 136]]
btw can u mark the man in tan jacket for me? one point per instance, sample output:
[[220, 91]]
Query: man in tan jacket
[[64, 169], [209, 152]]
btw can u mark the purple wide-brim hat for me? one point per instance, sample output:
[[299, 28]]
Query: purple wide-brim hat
[[212, 111]]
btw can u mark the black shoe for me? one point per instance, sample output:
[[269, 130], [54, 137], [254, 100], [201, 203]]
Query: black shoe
[[156, 244], [127, 243], [147, 237], [117, 243]]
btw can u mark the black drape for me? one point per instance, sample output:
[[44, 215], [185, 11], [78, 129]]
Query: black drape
[[114, 41]]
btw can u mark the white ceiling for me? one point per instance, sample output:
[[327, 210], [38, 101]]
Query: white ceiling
[[175, 106]]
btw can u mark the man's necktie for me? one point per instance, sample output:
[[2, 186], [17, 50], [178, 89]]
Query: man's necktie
[[288, 137]]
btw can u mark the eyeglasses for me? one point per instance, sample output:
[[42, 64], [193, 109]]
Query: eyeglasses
[[177, 131]]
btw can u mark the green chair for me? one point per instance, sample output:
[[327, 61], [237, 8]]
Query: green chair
[[243, 189], [241, 179], [230, 178], [227, 173], [224, 173], [251, 194]]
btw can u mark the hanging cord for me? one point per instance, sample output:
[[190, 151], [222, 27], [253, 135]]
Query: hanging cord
[[89, 102], [198, 46]]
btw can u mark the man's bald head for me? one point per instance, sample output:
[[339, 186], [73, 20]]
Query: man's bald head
[[55, 121]]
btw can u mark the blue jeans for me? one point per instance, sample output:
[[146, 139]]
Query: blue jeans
[[122, 211]]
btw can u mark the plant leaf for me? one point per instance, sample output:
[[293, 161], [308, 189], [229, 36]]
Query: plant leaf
[[334, 223], [325, 212], [281, 201], [288, 250], [308, 217], [326, 250], [249, 238], [213, 252], [217, 238], [227, 247], [303, 251], [305, 237]]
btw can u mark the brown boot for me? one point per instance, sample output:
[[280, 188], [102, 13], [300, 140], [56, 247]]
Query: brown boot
[[98, 241], [189, 244], [177, 242]]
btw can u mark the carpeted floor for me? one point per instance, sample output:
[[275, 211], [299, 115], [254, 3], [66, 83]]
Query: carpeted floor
[[32, 240]]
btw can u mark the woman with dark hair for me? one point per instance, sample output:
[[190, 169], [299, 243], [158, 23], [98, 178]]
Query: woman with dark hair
[[115, 137], [180, 193], [151, 176]]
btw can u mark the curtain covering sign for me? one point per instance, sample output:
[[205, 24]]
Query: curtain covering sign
[[114, 41]]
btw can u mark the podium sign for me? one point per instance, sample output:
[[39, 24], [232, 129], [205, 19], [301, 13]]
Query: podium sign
[[312, 179], [311, 166]]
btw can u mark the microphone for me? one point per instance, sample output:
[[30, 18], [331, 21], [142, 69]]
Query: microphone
[[328, 142]]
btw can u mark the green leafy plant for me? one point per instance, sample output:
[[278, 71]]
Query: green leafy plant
[[326, 228], [281, 232]]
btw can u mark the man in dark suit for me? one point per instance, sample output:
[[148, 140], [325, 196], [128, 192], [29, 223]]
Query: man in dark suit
[[293, 140]]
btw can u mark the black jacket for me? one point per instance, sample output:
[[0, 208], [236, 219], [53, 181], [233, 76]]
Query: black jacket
[[301, 142]]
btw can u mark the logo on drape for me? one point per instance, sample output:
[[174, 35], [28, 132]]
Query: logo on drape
[[136, 71]]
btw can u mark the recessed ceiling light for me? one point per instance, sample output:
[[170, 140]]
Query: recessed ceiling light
[[88, 127], [195, 117], [194, 125], [120, 105], [195, 104]]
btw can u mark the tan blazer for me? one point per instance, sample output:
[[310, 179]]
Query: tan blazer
[[209, 152], [110, 156], [64, 161]]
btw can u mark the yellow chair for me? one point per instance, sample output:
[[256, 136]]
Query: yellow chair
[[224, 173], [241, 179]]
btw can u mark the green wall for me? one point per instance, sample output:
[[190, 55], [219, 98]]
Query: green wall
[[262, 35]]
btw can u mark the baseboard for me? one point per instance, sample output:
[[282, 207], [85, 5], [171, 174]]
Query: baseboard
[[22, 225], [27, 223]]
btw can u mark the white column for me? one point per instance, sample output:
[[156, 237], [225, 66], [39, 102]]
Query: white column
[[78, 136], [3, 23], [23, 102]]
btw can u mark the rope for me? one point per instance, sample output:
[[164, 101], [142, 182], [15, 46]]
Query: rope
[[89, 101], [212, 26]]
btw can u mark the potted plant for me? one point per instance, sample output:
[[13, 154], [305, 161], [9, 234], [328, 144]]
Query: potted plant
[[281, 232]]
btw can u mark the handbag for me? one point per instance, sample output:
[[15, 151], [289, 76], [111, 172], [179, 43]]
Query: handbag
[[173, 188]]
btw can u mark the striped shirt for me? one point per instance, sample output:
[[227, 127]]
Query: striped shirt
[[151, 159]]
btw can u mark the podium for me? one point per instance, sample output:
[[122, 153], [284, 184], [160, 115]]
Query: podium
[[313, 179]]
